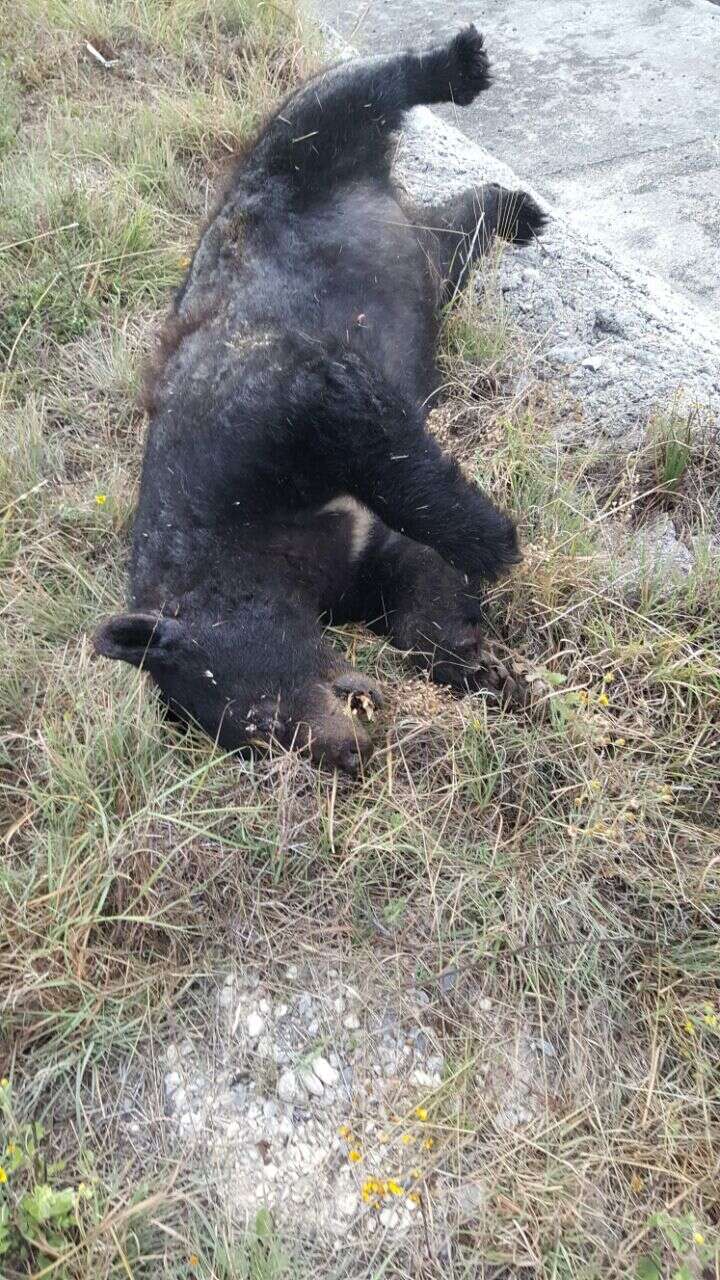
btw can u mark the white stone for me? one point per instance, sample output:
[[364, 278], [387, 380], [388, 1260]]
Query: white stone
[[351, 1022], [280, 1010], [312, 1083], [287, 1087], [255, 1025], [291, 972], [325, 1072], [348, 1203]]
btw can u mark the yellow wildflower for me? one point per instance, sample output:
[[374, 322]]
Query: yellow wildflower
[[582, 695], [184, 261], [343, 1131], [11, 1148], [354, 1157], [4, 1083], [394, 1187], [608, 677], [594, 785], [688, 1026], [416, 1173], [428, 1144], [699, 1237], [414, 1197], [710, 1019], [100, 499], [372, 1188], [603, 700], [406, 1139], [637, 1183], [193, 1260], [421, 1113], [620, 742], [3, 1175]]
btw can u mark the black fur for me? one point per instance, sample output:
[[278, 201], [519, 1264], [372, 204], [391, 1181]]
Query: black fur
[[296, 369]]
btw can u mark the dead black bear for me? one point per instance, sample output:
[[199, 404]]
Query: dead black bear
[[288, 475]]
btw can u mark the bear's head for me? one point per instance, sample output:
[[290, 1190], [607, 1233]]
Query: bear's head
[[226, 678]]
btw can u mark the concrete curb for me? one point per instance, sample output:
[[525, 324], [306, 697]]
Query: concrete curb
[[620, 340]]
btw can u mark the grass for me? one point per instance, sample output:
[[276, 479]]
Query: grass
[[563, 861]]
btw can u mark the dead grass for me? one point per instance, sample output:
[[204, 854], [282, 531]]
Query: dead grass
[[564, 861]]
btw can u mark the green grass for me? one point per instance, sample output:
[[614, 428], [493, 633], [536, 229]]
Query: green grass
[[564, 860]]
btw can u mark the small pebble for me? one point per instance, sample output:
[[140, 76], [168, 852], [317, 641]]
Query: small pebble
[[348, 1203], [255, 1025], [312, 1083], [325, 1072], [593, 362], [287, 1087]]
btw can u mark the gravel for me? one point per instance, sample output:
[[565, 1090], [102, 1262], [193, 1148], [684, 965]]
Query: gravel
[[351, 1108]]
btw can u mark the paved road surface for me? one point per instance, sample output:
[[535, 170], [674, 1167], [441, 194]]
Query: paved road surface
[[611, 109]]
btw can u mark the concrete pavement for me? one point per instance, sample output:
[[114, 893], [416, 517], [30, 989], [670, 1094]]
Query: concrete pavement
[[610, 109]]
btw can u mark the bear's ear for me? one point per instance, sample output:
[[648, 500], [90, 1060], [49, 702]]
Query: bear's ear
[[140, 638]]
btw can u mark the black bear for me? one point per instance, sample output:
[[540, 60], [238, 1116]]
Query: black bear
[[288, 476]]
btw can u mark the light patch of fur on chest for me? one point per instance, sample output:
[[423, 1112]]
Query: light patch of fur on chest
[[361, 521]]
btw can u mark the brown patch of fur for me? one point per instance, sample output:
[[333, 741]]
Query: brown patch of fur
[[174, 331]]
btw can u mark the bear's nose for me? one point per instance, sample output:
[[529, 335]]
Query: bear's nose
[[349, 760], [346, 748]]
